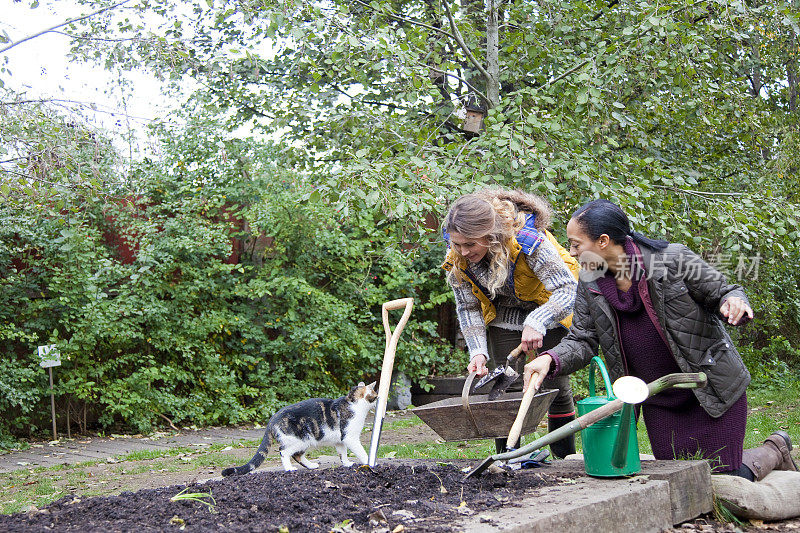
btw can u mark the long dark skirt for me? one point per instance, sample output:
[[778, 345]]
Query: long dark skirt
[[684, 430]]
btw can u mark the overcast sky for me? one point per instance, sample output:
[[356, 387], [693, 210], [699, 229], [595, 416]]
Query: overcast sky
[[40, 68]]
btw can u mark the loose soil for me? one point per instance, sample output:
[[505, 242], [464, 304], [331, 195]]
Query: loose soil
[[419, 496], [301, 501]]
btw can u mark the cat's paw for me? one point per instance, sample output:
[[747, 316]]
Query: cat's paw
[[311, 465], [290, 468]]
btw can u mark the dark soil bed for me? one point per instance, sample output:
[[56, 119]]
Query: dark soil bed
[[421, 497]]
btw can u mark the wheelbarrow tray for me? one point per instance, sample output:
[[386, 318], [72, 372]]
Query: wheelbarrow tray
[[455, 419]]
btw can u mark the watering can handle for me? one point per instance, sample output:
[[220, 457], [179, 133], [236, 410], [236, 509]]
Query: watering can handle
[[597, 362]]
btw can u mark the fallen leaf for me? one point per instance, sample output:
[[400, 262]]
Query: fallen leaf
[[494, 469], [403, 514], [377, 517], [464, 510]]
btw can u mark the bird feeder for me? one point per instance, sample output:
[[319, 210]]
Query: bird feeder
[[473, 122]]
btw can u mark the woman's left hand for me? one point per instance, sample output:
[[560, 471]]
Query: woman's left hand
[[531, 339], [734, 308]]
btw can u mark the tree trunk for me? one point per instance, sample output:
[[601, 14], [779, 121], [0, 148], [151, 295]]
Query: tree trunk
[[791, 76], [492, 52], [755, 69]]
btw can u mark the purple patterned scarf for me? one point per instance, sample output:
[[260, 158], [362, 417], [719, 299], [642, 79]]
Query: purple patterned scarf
[[628, 301]]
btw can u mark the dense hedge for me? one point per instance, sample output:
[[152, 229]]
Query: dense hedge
[[182, 332]]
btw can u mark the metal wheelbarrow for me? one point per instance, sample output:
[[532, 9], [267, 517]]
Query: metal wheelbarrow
[[475, 417]]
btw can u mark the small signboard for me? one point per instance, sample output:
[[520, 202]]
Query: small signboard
[[49, 356]]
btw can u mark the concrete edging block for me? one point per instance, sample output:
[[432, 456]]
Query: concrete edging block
[[663, 494], [587, 505]]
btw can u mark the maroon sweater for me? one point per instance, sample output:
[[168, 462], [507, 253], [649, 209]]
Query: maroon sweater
[[676, 423]]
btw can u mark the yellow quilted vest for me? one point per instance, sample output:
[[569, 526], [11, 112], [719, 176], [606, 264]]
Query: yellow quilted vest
[[527, 286]]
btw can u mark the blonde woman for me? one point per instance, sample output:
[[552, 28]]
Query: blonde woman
[[513, 283]]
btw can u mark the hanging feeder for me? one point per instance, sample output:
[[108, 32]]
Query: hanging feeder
[[473, 122]]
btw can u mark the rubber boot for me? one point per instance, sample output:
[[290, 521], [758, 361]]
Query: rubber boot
[[565, 446], [774, 454], [500, 444]]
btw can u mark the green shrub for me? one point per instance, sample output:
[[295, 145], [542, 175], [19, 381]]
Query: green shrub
[[181, 335]]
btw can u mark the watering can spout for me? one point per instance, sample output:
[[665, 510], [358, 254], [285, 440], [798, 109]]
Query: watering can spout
[[619, 456], [632, 391]]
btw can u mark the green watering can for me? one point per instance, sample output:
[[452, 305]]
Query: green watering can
[[610, 447]]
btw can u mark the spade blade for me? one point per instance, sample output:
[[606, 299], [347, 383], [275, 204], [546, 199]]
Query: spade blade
[[504, 381], [491, 376]]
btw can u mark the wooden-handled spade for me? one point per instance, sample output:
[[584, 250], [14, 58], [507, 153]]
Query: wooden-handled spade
[[386, 370], [516, 427]]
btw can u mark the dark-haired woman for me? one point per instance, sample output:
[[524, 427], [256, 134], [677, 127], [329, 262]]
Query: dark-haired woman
[[656, 308]]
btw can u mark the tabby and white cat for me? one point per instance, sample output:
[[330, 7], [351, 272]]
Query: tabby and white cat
[[316, 422]]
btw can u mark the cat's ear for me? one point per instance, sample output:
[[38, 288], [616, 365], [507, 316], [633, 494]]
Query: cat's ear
[[372, 385], [361, 384]]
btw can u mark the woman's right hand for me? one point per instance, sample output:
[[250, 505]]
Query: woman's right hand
[[478, 365], [536, 371]]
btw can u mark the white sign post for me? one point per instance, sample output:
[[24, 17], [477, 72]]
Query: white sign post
[[50, 357]]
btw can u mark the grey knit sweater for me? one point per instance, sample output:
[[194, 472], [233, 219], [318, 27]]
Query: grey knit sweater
[[513, 313]]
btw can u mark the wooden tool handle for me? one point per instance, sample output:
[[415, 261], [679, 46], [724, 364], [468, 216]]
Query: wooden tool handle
[[514, 353], [516, 428], [392, 339], [398, 304]]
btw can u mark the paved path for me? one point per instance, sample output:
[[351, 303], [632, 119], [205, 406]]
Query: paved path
[[79, 450]]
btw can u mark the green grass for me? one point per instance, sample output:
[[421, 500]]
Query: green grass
[[414, 421], [433, 450], [783, 413]]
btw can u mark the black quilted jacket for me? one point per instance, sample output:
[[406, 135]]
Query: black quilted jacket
[[686, 294]]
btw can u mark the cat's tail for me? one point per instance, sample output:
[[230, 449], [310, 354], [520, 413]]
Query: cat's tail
[[257, 459]]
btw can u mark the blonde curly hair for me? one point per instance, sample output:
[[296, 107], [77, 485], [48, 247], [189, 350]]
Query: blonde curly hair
[[498, 215]]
